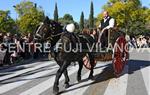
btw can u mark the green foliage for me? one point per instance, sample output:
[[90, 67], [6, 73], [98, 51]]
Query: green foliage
[[25, 7], [29, 16], [67, 18], [7, 24], [91, 16], [56, 13], [86, 23], [130, 16], [147, 12], [29, 22], [82, 21], [77, 27]]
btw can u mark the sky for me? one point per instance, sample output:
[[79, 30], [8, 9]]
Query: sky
[[73, 7]]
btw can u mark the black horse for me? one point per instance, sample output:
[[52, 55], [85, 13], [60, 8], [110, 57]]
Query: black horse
[[54, 32]]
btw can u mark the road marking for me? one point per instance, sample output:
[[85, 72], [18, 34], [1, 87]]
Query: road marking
[[16, 73], [10, 86], [36, 90], [118, 86], [80, 91], [146, 76], [12, 69]]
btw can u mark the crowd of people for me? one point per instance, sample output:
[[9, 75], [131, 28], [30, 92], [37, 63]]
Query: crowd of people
[[139, 42], [8, 56]]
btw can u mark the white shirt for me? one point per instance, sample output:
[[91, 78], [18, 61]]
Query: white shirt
[[111, 23]]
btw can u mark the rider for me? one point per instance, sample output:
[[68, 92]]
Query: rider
[[106, 23]]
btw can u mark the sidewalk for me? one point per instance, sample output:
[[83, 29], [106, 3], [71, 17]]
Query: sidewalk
[[139, 54], [28, 61]]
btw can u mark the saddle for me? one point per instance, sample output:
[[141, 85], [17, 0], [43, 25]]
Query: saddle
[[70, 37]]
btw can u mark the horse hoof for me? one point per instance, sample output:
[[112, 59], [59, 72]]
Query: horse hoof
[[55, 91], [1, 65], [67, 86], [91, 77], [79, 79]]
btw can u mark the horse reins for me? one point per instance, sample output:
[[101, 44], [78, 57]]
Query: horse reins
[[51, 37]]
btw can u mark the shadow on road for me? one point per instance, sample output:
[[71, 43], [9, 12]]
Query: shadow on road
[[135, 65], [107, 73], [28, 74]]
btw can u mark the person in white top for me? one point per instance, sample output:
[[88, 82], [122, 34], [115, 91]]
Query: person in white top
[[106, 23]]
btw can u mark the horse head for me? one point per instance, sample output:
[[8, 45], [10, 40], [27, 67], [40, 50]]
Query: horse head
[[48, 30]]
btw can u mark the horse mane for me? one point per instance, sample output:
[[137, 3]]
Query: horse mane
[[50, 21]]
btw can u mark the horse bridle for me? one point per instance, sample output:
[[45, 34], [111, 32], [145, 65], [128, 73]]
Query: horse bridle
[[53, 35]]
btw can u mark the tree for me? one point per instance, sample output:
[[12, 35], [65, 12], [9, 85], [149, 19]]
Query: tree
[[25, 7], [82, 21], [130, 16], [136, 2], [7, 24], [66, 19], [77, 27], [56, 13], [91, 17], [29, 16], [86, 23]]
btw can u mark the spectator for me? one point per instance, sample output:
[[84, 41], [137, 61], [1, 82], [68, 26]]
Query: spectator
[[139, 42], [1, 38], [133, 41], [144, 42], [2, 54], [148, 41], [94, 34]]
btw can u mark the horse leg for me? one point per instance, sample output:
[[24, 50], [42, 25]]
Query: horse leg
[[79, 70], [92, 66], [58, 75], [66, 79], [91, 72], [66, 75]]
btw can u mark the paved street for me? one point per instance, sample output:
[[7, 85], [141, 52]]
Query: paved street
[[37, 78], [102, 32]]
